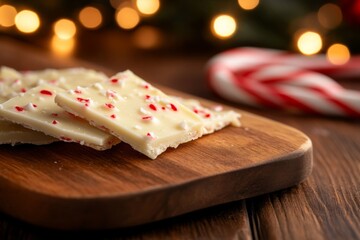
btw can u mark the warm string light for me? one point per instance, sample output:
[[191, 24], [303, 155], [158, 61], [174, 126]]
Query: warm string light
[[223, 26], [64, 29], [338, 54], [7, 15], [148, 7], [27, 21], [248, 4], [330, 16], [127, 18], [129, 13], [90, 17], [309, 43]]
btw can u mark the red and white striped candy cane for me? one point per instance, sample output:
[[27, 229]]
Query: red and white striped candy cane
[[271, 78]]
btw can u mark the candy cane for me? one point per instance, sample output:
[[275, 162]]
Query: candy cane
[[278, 79]]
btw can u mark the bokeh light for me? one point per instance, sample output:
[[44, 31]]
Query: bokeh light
[[223, 26], [148, 7], [7, 15], [127, 18], [62, 47], [338, 54], [116, 3], [147, 37], [90, 17], [248, 4], [64, 29], [330, 16], [309, 43], [27, 21]]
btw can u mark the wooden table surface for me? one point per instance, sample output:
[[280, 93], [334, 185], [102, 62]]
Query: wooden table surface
[[325, 206]]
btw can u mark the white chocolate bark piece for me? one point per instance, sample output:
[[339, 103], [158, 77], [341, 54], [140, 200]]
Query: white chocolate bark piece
[[136, 112], [37, 110], [13, 83], [214, 119], [11, 133]]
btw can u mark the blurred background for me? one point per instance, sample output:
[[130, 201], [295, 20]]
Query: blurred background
[[135, 34], [197, 25]]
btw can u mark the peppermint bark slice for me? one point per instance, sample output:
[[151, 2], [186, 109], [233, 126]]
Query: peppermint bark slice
[[13, 83], [37, 110], [136, 112]]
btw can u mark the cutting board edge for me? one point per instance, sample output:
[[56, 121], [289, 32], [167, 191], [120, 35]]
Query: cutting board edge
[[55, 213]]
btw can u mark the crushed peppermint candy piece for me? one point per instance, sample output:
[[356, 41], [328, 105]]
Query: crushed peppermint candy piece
[[46, 92], [173, 107], [152, 107], [218, 108], [30, 107], [146, 117], [183, 125], [137, 127], [19, 109], [109, 105], [98, 86], [143, 110], [150, 135]]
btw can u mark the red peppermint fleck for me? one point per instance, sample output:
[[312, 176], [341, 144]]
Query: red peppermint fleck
[[109, 105], [196, 111], [86, 104], [147, 97], [163, 108], [34, 105], [66, 139], [208, 115], [77, 91], [83, 100], [46, 92], [173, 107], [112, 116], [19, 109], [146, 86], [150, 135], [114, 80], [55, 122], [152, 107], [23, 90], [54, 114], [146, 118]]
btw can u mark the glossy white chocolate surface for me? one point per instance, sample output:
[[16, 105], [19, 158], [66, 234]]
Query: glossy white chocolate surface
[[134, 111]]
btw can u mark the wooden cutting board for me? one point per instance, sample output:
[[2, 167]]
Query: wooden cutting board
[[68, 186]]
